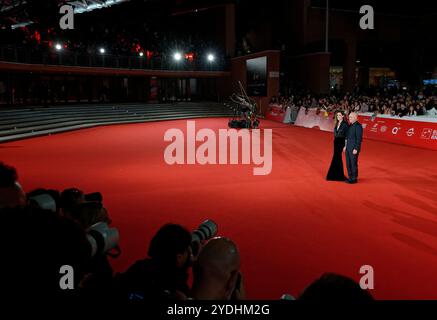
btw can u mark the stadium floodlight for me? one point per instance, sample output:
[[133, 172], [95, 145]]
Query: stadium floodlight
[[177, 56], [102, 50], [58, 47], [210, 57], [141, 54]]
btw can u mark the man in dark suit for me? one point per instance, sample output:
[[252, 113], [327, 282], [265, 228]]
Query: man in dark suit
[[353, 147]]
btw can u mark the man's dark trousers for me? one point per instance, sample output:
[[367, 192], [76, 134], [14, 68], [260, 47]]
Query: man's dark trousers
[[352, 165], [353, 142]]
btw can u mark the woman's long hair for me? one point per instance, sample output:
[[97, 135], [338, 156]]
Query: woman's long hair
[[335, 116]]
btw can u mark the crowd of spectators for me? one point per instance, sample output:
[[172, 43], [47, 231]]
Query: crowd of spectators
[[401, 103], [46, 230]]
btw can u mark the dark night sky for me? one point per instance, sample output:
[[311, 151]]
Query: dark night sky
[[250, 12]]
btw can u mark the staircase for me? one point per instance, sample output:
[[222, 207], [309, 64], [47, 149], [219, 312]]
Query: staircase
[[16, 124]]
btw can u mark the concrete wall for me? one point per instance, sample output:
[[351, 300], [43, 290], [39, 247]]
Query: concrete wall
[[311, 70]]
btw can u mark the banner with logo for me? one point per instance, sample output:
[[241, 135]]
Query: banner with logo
[[417, 132], [409, 132]]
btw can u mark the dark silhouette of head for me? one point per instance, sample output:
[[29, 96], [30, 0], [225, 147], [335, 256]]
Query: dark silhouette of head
[[39, 242], [70, 198], [335, 287], [171, 246], [11, 193]]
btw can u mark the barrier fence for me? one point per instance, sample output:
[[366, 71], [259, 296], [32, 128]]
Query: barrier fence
[[417, 132], [277, 113]]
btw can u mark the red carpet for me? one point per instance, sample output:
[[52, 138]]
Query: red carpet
[[291, 225]]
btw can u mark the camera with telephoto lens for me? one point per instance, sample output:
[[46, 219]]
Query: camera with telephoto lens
[[72, 196], [49, 199], [207, 230], [103, 239]]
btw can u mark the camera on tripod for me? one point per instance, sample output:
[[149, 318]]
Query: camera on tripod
[[245, 111]]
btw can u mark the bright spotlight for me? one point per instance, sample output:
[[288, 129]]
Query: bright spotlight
[[210, 57], [58, 47], [141, 54], [102, 50], [177, 56]]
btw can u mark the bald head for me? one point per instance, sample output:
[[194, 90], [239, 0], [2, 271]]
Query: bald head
[[216, 269], [353, 116], [219, 255]]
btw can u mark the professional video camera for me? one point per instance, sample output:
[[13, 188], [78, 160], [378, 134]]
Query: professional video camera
[[207, 230], [245, 110]]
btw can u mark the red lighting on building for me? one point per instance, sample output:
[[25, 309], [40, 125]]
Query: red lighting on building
[[189, 56], [136, 47]]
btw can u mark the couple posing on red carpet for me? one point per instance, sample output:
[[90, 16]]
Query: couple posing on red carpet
[[347, 138]]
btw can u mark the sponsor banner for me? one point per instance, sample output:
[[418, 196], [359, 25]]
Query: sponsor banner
[[422, 134], [413, 133]]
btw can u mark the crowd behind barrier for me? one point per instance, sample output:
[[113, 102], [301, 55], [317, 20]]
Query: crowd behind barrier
[[74, 229], [395, 103]]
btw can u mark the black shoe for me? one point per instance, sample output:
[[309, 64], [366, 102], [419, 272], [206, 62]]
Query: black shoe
[[351, 181]]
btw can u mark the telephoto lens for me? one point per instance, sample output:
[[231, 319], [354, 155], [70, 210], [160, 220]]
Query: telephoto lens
[[43, 201], [102, 238], [205, 231], [47, 199]]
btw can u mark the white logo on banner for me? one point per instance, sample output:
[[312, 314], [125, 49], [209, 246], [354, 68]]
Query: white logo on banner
[[434, 135], [395, 130], [410, 132], [426, 133], [384, 129], [374, 128], [364, 125]]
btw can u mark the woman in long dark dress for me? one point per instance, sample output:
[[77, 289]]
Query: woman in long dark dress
[[336, 172]]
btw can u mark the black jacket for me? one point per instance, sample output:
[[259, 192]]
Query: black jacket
[[354, 137], [342, 131]]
